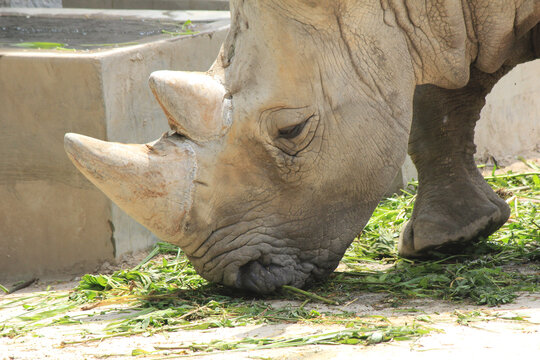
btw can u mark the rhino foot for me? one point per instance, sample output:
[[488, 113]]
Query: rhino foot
[[449, 216]]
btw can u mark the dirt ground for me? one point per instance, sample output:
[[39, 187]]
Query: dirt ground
[[509, 163], [491, 332]]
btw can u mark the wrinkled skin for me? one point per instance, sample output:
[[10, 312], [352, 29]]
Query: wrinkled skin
[[284, 148]]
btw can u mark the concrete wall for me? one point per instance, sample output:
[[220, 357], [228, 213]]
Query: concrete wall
[[50, 217], [52, 220]]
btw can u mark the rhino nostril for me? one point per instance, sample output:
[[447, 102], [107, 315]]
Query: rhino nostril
[[265, 259]]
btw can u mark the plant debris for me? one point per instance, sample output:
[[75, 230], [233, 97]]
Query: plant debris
[[164, 293]]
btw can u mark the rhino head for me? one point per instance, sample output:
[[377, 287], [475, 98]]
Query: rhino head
[[278, 154]]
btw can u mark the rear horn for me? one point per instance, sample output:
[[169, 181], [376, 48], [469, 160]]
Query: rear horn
[[194, 103]]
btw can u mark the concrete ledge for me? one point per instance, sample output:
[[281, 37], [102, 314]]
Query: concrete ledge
[[53, 222], [149, 4], [179, 16], [31, 3]]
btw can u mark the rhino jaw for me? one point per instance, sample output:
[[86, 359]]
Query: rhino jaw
[[152, 183]]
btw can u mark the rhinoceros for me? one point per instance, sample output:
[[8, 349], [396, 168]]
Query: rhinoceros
[[281, 151]]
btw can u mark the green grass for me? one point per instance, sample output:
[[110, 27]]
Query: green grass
[[357, 336], [164, 293], [484, 274]]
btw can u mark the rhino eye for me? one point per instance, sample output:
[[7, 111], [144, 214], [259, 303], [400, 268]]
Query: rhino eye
[[290, 129], [293, 131], [295, 138]]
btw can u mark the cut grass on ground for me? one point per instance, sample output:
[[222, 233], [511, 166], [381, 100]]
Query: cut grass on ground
[[164, 293]]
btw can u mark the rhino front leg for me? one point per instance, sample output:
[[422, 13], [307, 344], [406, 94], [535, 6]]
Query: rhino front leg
[[454, 204]]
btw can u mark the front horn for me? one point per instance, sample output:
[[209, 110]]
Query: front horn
[[152, 182]]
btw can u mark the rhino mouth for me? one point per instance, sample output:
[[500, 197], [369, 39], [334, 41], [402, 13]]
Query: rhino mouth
[[262, 264], [262, 277], [256, 256]]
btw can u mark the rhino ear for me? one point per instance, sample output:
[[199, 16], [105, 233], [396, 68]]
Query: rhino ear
[[437, 42]]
